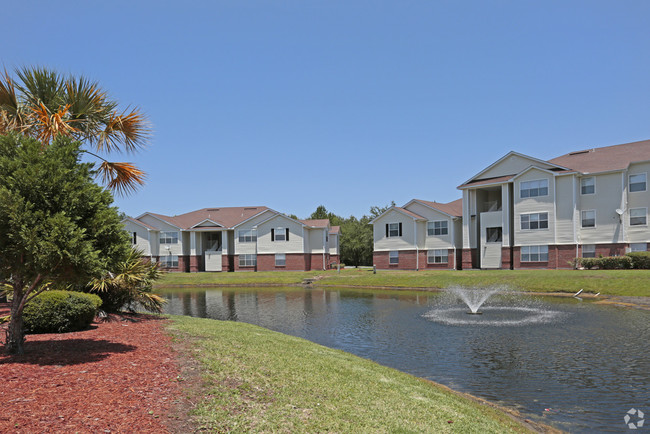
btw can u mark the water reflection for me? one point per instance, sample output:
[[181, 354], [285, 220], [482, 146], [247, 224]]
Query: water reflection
[[588, 366]]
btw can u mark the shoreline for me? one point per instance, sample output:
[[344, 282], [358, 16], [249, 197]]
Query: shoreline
[[637, 302]]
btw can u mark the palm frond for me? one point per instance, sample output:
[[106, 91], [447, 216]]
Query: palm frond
[[129, 129], [122, 178], [48, 125], [40, 86]]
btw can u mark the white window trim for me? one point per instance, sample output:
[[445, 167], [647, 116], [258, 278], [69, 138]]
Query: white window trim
[[521, 253], [582, 219], [646, 217], [389, 230], [390, 257], [166, 259], [548, 187], [244, 255], [434, 228], [538, 220], [283, 233], [431, 256], [253, 235], [588, 245], [587, 177], [646, 247], [629, 183], [165, 237], [284, 259]]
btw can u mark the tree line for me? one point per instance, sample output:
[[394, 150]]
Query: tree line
[[356, 239]]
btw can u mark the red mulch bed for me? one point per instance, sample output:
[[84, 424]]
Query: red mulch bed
[[119, 376]]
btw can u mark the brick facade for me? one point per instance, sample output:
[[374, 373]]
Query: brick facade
[[469, 259], [410, 260]]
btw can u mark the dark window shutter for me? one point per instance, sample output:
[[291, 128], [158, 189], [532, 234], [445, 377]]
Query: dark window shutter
[[400, 229], [386, 230], [272, 234], [287, 237]]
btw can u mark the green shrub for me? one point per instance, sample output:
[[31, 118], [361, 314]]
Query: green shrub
[[60, 312], [640, 260], [615, 263], [588, 263]]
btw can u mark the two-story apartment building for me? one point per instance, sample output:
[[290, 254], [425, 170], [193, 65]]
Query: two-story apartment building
[[253, 238], [418, 235], [523, 212]]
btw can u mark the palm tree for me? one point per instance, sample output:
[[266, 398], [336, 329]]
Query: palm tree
[[42, 103]]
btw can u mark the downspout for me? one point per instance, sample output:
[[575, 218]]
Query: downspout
[[575, 234], [417, 251], [621, 219], [149, 243], [324, 245], [453, 240]]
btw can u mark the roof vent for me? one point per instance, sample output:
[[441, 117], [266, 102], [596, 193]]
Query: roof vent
[[213, 209], [579, 152], [249, 208]]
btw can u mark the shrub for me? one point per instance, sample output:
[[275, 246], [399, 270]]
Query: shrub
[[588, 263], [60, 312], [640, 260], [615, 263]]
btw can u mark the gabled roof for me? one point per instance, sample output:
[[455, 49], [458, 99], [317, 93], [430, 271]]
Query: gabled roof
[[452, 209], [607, 158], [284, 216], [335, 230], [138, 222], [227, 217], [399, 209], [316, 223], [487, 181], [533, 160]]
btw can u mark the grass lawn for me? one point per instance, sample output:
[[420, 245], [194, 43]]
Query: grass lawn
[[607, 282], [262, 381]]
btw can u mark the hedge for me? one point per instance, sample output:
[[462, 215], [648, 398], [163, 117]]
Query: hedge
[[60, 312], [636, 260]]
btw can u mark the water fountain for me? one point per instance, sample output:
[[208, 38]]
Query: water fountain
[[510, 310]]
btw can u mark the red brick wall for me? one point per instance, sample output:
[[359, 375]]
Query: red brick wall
[[505, 258], [196, 263], [446, 266], [560, 256], [469, 259], [407, 260], [316, 260], [334, 261], [293, 261]]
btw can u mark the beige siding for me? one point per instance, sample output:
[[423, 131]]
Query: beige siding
[[434, 241], [316, 240], [566, 190], [295, 243], [609, 191], [638, 199], [405, 242], [540, 204], [333, 244], [142, 236]]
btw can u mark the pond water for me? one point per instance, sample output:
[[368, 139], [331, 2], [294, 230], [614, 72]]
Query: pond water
[[572, 364]]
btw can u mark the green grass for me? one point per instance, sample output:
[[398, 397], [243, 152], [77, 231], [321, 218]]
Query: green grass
[[256, 380], [607, 282]]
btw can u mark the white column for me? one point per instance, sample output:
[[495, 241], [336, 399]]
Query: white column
[[505, 215], [224, 242], [466, 220], [193, 243]]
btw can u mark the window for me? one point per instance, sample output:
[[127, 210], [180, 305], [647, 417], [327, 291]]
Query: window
[[534, 254], [393, 230], [587, 186], [638, 216], [437, 228], [589, 219], [393, 257], [533, 188], [280, 259], [534, 221], [248, 260], [589, 251], [438, 256], [638, 247], [169, 238], [280, 234], [169, 261], [134, 240], [638, 182], [247, 236], [493, 235]]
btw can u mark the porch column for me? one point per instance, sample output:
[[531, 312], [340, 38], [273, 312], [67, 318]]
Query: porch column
[[194, 258]]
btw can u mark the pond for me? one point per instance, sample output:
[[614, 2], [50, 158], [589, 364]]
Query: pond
[[573, 364]]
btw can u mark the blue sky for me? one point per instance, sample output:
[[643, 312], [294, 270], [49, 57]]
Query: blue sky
[[349, 104]]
